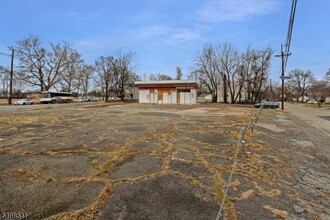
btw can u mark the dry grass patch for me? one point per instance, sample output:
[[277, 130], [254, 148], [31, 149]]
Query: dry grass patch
[[244, 196], [219, 187], [23, 173], [103, 104], [279, 213], [247, 194], [272, 193], [88, 212]]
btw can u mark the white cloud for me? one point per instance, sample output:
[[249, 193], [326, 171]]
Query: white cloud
[[184, 35], [160, 34], [236, 10], [81, 16], [149, 36]]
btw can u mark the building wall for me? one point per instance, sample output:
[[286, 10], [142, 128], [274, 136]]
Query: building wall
[[220, 91], [167, 96], [133, 93]]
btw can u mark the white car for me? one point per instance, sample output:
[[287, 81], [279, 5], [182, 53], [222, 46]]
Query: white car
[[312, 102], [114, 99], [24, 102]]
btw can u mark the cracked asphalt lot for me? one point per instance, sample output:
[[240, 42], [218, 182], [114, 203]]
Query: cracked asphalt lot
[[133, 161]]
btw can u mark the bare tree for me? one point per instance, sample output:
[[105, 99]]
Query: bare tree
[[178, 73], [319, 90], [241, 75], [229, 64], [327, 77], [86, 76], [134, 77], [4, 79], [256, 65], [105, 77], [301, 80], [70, 77], [123, 68], [33, 59], [207, 71], [159, 77], [42, 68], [58, 62], [19, 84], [291, 92]]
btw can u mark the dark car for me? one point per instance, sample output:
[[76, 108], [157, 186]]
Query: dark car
[[271, 105]]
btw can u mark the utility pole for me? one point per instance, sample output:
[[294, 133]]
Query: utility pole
[[11, 77], [271, 90], [282, 74], [225, 89]]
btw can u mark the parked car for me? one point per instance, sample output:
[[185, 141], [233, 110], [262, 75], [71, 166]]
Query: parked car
[[272, 105], [114, 99], [24, 102], [94, 99], [82, 99], [312, 102]]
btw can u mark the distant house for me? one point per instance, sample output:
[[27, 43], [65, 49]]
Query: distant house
[[204, 98], [240, 94], [167, 91], [300, 99], [132, 92]]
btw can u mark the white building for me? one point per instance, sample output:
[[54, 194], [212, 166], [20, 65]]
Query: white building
[[167, 91]]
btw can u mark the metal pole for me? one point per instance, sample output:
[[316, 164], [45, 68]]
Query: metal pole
[[243, 141], [11, 77], [282, 55]]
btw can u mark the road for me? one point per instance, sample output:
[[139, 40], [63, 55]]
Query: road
[[29, 108], [317, 117]]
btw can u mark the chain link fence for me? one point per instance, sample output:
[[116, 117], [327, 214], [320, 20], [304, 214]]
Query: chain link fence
[[240, 145]]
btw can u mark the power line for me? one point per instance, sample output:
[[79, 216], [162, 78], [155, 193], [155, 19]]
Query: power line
[[287, 44], [289, 34], [285, 53], [5, 54]]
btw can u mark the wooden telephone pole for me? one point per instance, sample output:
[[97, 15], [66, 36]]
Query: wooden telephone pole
[[282, 55], [11, 77]]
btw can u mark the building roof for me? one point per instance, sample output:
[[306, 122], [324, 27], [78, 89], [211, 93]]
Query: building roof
[[204, 94], [166, 82]]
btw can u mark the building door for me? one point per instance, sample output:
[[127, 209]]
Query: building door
[[164, 96], [183, 96], [152, 96], [160, 96], [187, 98]]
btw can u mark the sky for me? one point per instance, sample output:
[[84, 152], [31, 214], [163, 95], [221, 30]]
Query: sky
[[165, 34]]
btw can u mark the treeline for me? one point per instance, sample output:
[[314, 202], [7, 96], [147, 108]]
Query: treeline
[[224, 72], [221, 70], [302, 86], [62, 68], [233, 76]]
